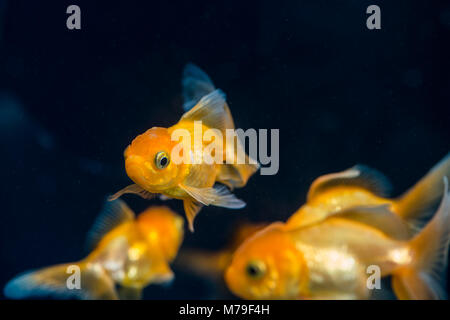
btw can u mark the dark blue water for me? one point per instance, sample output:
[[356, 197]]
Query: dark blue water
[[72, 100]]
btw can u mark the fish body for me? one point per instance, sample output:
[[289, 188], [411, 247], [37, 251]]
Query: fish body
[[172, 162], [127, 251], [330, 260], [138, 252]]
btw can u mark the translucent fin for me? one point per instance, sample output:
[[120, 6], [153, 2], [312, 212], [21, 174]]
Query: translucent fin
[[358, 176], [195, 84], [135, 189], [381, 218], [53, 282], [219, 196], [424, 277], [191, 208], [418, 203], [212, 111], [113, 214]]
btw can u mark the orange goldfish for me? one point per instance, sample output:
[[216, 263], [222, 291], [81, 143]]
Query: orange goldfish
[[213, 263], [149, 158], [362, 186], [333, 259], [128, 251]]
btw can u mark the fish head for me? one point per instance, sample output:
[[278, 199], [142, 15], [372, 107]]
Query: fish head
[[162, 228], [266, 266], [148, 160]]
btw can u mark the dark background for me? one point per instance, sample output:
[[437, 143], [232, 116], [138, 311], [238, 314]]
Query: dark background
[[72, 100]]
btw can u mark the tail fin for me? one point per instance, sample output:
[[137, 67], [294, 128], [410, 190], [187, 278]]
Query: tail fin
[[424, 277], [418, 203], [64, 281]]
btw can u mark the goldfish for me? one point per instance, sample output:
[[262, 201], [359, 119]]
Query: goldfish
[[211, 265], [149, 159], [332, 259], [363, 186], [128, 251]]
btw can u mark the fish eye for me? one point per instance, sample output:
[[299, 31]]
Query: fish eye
[[161, 160], [255, 269]]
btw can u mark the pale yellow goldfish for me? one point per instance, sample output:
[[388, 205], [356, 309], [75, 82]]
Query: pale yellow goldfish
[[333, 259], [128, 251], [149, 163]]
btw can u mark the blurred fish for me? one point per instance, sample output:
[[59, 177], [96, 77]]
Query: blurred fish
[[212, 264], [363, 186], [330, 260], [128, 251], [148, 158]]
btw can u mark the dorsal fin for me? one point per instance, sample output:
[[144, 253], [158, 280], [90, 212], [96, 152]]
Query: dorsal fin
[[195, 84], [113, 214], [358, 176], [212, 111]]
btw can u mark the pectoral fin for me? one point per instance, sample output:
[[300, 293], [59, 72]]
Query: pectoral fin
[[219, 196], [191, 208], [359, 176], [135, 189]]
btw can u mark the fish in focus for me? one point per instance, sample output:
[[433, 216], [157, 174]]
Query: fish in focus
[[127, 251], [363, 186], [148, 158], [330, 259]]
